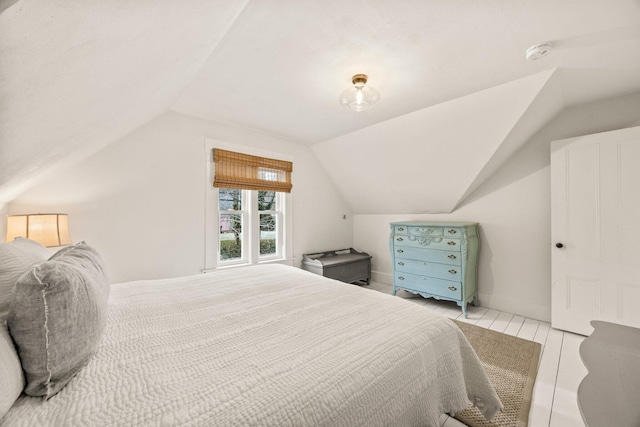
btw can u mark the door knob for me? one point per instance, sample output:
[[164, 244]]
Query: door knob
[[559, 245]]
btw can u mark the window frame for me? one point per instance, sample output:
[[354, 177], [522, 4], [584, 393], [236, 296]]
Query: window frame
[[245, 220], [250, 235], [279, 214]]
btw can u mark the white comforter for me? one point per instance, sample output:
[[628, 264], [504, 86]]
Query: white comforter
[[266, 346]]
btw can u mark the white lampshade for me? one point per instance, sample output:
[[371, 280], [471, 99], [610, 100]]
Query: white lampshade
[[359, 97], [48, 229]]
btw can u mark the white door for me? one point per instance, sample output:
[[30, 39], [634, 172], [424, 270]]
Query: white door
[[595, 230]]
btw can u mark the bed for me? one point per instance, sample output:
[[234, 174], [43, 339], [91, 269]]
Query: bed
[[265, 345]]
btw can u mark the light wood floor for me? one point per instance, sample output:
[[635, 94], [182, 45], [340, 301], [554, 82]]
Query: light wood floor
[[560, 371]]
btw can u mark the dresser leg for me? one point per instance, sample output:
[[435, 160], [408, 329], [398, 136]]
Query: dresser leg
[[464, 309], [394, 290]]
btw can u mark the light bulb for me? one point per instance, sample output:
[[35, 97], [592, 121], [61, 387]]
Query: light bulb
[[359, 97]]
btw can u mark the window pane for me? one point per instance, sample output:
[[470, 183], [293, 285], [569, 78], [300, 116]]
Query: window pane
[[230, 237], [230, 199], [267, 234], [266, 201], [270, 174]]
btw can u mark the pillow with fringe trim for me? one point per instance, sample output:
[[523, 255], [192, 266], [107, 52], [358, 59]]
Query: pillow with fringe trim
[[58, 316]]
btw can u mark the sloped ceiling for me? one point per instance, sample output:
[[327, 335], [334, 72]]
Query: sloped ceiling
[[283, 64], [426, 161], [76, 76]]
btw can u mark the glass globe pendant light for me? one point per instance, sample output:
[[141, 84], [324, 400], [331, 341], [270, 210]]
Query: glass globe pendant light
[[360, 97]]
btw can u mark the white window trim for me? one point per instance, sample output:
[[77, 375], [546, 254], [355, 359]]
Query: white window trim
[[255, 226], [244, 234], [212, 226]]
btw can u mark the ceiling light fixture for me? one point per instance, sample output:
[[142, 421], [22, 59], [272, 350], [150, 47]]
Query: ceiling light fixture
[[359, 97]]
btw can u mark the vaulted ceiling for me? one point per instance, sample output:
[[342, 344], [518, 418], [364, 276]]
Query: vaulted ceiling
[[454, 82]]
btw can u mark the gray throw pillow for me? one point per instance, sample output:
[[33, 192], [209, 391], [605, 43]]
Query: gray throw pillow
[[58, 316], [16, 257]]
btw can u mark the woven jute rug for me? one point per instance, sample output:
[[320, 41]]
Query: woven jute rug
[[511, 364]]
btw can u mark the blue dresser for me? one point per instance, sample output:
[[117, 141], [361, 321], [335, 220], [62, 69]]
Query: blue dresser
[[436, 260]]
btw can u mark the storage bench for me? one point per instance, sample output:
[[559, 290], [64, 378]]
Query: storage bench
[[346, 265]]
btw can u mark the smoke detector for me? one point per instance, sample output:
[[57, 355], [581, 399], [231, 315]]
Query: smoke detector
[[538, 51]]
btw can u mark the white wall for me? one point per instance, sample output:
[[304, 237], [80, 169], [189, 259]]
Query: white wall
[[513, 209], [141, 200]]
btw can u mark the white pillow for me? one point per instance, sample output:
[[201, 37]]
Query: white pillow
[[16, 257], [10, 372]]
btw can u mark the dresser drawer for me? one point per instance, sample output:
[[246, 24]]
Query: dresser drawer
[[425, 231], [443, 257], [430, 285], [430, 242], [432, 269]]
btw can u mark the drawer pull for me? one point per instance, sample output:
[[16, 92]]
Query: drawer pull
[[452, 256], [400, 229], [401, 263], [452, 288], [453, 231], [400, 251], [453, 272], [399, 239], [451, 243], [400, 278]]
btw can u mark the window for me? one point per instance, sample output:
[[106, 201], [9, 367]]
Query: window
[[270, 221], [245, 217], [248, 209], [231, 219]]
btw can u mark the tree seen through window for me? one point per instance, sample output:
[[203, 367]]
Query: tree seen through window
[[232, 217]]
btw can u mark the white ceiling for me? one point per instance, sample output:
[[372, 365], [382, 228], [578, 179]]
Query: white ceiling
[[283, 64], [77, 75]]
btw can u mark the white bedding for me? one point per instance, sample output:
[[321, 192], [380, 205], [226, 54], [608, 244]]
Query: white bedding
[[266, 346]]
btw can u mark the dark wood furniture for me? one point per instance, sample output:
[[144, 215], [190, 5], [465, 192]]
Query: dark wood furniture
[[346, 265]]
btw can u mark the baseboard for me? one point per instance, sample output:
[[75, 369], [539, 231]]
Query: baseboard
[[380, 277], [518, 306]]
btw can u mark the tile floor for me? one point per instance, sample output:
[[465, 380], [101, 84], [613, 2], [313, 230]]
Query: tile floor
[[560, 371]]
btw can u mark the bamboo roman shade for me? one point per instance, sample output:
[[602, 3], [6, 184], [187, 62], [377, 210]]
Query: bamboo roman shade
[[246, 172]]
